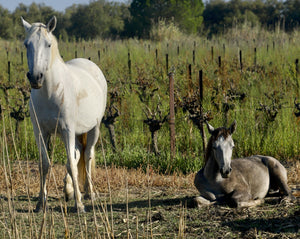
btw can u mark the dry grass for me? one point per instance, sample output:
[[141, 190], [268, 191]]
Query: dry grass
[[136, 179], [118, 177], [145, 205], [294, 176]]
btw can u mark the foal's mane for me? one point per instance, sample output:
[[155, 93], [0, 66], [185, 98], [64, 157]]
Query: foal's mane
[[222, 131]]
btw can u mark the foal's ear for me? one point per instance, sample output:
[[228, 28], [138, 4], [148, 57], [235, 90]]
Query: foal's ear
[[26, 25], [210, 128], [232, 127], [51, 24]]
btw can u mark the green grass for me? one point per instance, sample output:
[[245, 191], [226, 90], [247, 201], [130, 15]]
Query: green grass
[[274, 73]]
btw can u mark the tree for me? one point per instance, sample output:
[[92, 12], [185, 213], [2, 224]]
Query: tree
[[292, 14], [6, 24], [98, 19], [33, 13], [186, 13], [214, 16], [219, 14]]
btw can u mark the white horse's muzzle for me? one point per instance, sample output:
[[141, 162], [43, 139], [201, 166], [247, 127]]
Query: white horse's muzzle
[[36, 81]]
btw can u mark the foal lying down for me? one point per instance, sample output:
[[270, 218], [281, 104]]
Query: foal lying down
[[242, 182]]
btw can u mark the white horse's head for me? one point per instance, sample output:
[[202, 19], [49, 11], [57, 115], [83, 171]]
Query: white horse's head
[[38, 42], [222, 146]]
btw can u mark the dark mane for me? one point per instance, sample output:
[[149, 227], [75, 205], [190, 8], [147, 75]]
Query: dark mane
[[215, 135]]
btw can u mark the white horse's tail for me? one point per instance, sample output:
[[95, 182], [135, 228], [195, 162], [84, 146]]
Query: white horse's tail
[[82, 174], [81, 163]]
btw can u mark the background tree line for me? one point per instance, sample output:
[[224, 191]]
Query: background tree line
[[104, 19]]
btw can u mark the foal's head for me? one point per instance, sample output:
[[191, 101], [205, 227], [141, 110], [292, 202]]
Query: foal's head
[[38, 43], [220, 146]]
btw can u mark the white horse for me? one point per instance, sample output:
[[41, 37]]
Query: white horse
[[68, 98]]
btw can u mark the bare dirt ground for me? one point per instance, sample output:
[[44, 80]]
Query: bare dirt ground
[[144, 205]]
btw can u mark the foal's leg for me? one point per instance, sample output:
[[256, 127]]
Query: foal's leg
[[278, 177], [206, 197], [250, 203], [69, 140], [242, 198], [89, 157]]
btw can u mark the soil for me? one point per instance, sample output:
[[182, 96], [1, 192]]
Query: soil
[[144, 205]]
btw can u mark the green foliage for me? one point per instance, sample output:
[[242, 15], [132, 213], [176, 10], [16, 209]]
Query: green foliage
[[114, 20], [163, 31], [6, 24], [98, 19], [187, 14], [265, 115], [221, 15]]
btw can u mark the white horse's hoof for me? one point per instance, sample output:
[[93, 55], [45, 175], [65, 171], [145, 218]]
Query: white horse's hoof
[[68, 188], [80, 209], [91, 196], [40, 207], [69, 196]]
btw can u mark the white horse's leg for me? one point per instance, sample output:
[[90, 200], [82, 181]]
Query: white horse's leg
[[68, 187], [68, 182], [72, 168], [89, 157], [44, 164]]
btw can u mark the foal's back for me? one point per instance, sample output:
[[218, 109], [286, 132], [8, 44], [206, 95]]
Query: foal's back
[[261, 173]]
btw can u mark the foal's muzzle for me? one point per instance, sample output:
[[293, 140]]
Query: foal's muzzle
[[225, 173], [36, 81]]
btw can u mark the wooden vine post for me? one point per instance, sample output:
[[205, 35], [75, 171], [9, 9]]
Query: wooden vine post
[[297, 67], [255, 56], [129, 66], [201, 110], [22, 56], [172, 116], [241, 60], [167, 62], [8, 70]]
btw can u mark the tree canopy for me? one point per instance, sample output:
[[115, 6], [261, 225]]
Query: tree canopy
[[186, 13], [106, 19]]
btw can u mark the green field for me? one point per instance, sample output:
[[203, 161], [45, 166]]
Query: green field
[[259, 90]]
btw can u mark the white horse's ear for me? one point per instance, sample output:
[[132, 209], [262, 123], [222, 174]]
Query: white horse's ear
[[232, 127], [51, 24], [26, 25], [210, 128]]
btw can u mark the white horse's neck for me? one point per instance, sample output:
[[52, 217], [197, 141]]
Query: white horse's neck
[[57, 67], [55, 55]]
